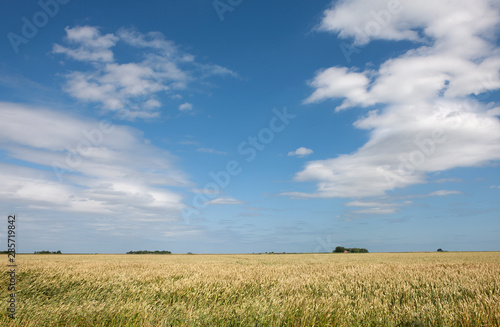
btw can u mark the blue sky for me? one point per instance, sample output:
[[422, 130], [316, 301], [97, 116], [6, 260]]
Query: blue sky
[[239, 127]]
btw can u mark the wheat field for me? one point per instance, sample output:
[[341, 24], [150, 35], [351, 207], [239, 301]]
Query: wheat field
[[379, 289]]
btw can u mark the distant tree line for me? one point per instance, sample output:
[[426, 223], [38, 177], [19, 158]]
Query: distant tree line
[[341, 249], [149, 252], [47, 252]]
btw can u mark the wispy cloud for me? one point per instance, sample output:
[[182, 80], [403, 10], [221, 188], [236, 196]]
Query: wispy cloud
[[386, 208], [449, 180], [444, 193], [376, 207], [207, 191], [249, 214], [182, 232], [211, 151], [67, 163], [130, 89], [189, 142], [225, 200], [371, 204], [376, 211]]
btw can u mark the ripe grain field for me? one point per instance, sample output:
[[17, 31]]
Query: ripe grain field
[[386, 289]]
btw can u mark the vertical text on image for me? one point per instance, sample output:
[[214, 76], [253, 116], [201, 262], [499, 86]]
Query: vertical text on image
[[11, 250]]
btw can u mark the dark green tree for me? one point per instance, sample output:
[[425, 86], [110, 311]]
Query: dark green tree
[[339, 249]]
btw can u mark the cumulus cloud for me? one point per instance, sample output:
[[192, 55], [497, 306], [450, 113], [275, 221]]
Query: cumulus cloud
[[90, 44], [339, 82], [427, 108], [446, 22], [67, 163], [300, 152], [186, 106], [132, 90]]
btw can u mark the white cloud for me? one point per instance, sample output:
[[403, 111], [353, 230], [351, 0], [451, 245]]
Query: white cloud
[[300, 152], [458, 58], [375, 207], [186, 106], [90, 44], [449, 180], [444, 193], [338, 82], [130, 89], [210, 150], [449, 22], [224, 200], [370, 204], [153, 40], [376, 211], [84, 166], [209, 70], [427, 118]]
